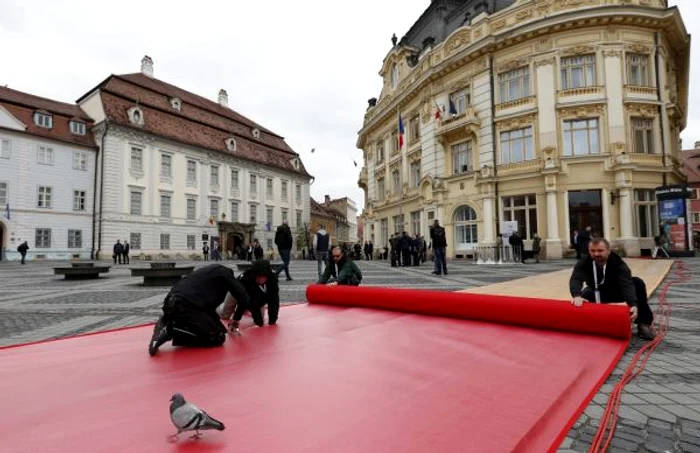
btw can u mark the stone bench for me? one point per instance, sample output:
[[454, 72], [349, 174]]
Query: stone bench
[[81, 271], [161, 274], [276, 267]]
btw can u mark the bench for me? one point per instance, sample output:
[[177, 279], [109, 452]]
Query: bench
[[81, 271], [161, 274], [276, 267]]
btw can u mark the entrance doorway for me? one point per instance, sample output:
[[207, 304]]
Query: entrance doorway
[[586, 210], [234, 245]]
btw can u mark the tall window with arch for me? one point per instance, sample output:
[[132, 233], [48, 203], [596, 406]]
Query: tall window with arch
[[466, 234]]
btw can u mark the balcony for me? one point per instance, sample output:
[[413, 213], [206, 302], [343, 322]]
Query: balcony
[[580, 94], [459, 126], [523, 103], [516, 168]]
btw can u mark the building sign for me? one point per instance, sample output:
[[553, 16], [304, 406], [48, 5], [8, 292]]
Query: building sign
[[508, 227], [673, 214]]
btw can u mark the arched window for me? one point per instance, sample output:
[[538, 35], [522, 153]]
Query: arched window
[[465, 228]]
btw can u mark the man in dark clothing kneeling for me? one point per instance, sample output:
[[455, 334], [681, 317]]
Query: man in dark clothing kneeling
[[262, 288], [342, 271], [189, 310], [609, 280]]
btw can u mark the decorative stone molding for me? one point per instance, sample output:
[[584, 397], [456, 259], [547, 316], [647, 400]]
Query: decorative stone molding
[[498, 24], [571, 4], [612, 53], [458, 40], [638, 48], [523, 15], [583, 111], [512, 64], [516, 123], [545, 62], [580, 91], [617, 148], [643, 110], [577, 50], [544, 44], [414, 157], [516, 103], [550, 182], [633, 89]]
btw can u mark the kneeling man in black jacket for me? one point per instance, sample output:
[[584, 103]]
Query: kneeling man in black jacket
[[262, 288]]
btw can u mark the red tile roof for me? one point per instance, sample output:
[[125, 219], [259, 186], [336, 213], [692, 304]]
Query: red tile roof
[[199, 122], [320, 210], [24, 105], [691, 165]]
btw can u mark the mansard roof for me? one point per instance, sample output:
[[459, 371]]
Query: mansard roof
[[23, 106], [198, 122]]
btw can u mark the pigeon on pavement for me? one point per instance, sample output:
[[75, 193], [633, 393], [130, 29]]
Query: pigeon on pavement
[[188, 417]]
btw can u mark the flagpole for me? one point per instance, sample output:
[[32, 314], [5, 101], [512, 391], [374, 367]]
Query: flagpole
[[400, 188]]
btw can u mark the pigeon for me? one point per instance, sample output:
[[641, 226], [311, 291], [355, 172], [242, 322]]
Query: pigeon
[[188, 417]]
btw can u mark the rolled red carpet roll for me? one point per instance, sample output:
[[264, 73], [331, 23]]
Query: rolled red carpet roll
[[602, 320]]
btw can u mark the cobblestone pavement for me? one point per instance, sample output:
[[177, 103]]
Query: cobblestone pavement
[[660, 410]]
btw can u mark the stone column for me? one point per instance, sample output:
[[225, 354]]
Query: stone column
[[489, 236], [553, 241]]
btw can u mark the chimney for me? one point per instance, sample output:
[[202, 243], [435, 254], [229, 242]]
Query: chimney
[[697, 145], [223, 98], [147, 66], [328, 198]]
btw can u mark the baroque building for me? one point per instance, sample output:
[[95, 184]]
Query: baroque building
[[176, 170], [47, 172], [559, 115]]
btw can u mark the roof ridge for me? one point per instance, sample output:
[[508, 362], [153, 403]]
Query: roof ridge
[[42, 98]]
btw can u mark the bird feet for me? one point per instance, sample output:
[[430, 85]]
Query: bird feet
[[173, 438], [196, 435]]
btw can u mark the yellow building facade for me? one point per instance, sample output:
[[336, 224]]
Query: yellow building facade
[[559, 115]]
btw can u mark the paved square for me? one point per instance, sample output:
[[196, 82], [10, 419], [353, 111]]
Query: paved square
[[660, 410]]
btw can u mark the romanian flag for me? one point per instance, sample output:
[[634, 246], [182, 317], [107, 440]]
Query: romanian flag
[[438, 113], [401, 132]]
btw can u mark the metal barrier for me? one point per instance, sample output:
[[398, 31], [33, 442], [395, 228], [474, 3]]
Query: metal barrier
[[493, 254]]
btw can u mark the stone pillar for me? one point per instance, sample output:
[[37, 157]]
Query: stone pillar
[[627, 237], [553, 241], [489, 236]]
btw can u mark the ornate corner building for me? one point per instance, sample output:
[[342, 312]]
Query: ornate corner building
[[559, 115]]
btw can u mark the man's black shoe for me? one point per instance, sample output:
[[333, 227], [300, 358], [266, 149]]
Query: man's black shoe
[[160, 336], [645, 332]]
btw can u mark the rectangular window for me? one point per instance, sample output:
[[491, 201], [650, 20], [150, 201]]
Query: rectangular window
[[643, 130], [45, 155], [268, 188], [44, 197], [253, 184], [75, 239], [285, 215], [234, 212], [79, 160], [253, 213], [79, 200], [285, 190], [42, 238], [298, 193], [379, 151], [396, 181], [384, 231], [647, 223], [165, 205], [214, 175], [522, 209], [269, 212], [136, 159], [394, 142], [581, 137], [415, 222], [517, 146], [43, 120], [164, 241], [3, 195], [460, 100], [462, 161], [381, 189], [166, 165], [415, 173], [398, 223], [299, 220], [234, 180], [191, 242], [5, 149], [191, 209], [695, 217], [414, 129], [214, 208], [638, 70], [78, 128], [577, 72], [135, 203], [515, 84], [135, 241], [191, 171]]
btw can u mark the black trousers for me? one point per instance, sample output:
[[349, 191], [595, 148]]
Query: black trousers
[[255, 308], [190, 325], [644, 313]]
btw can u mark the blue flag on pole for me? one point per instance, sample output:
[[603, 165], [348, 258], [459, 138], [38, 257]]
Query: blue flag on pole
[[268, 226]]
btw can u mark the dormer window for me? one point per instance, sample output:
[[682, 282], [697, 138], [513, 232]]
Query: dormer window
[[78, 128], [135, 115], [176, 104], [231, 144], [394, 75], [256, 133], [43, 119], [295, 163]]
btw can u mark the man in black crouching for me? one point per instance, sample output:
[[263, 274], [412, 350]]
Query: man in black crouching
[[609, 280], [262, 288], [189, 310]]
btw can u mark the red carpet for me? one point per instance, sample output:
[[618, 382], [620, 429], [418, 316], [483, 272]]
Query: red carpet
[[327, 379]]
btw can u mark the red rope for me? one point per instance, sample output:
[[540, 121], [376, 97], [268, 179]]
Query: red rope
[[606, 430]]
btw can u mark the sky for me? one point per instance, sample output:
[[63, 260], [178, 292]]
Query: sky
[[303, 69]]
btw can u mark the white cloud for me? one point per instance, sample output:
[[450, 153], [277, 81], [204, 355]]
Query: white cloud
[[303, 69]]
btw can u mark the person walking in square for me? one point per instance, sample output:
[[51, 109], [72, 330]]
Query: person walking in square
[[284, 242]]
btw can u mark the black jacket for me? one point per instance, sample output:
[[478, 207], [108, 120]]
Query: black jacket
[[207, 287], [256, 295], [437, 234], [615, 286], [283, 238]]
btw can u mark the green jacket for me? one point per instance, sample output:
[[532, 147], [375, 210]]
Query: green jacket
[[346, 269]]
